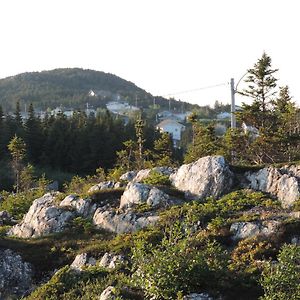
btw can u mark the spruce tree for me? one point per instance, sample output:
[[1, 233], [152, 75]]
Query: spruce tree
[[261, 88], [17, 149]]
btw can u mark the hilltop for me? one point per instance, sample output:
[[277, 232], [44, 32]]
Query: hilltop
[[70, 88]]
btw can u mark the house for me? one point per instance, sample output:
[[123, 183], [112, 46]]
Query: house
[[120, 107], [174, 128], [223, 115]]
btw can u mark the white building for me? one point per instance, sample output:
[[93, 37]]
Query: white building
[[120, 107], [172, 127]]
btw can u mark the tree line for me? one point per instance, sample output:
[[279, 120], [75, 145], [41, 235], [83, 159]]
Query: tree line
[[82, 143]]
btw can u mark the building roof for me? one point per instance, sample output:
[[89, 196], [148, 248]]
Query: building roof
[[169, 122]]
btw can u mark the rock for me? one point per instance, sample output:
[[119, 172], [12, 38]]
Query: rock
[[101, 186], [194, 296], [43, 217], [126, 222], [243, 230], [292, 170], [138, 193], [283, 186], [128, 176], [108, 294], [83, 207], [5, 218], [208, 176], [53, 186], [143, 174], [110, 261], [295, 240], [82, 260], [15, 275]]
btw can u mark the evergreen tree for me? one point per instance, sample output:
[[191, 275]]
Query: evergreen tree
[[205, 143], [2, 131], [18, 120], [33, 136], [139, 131], [163, 151], [17, 150], [261, 88]]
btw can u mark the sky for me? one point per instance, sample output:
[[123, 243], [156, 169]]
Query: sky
[[167, 47]]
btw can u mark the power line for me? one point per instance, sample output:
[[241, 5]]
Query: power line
[[197, 89]]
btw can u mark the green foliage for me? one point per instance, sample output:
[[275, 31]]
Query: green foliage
[[174, 266], [64, 281], [282, 280], [217, 213], [205, 143], [81, 185], [157, 178], [27, 178], [163, 151], [17, 149], [82, 225], [18, 204]]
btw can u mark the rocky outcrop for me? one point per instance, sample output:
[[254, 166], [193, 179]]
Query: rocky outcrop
[[243, 230], [109, 219], [138, 193], [81, 261], [279, 183], [105, 185], [143, 174], [208, 176], [15, 275], [128, 176], [6, 218], [83, 207], [108, 294], [194, 296], [111, 261], [44, 217]]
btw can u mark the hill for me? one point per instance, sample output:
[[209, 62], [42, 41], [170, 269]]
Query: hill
[[70, 88]]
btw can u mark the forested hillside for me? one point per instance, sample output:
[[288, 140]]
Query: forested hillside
[[70, 88]]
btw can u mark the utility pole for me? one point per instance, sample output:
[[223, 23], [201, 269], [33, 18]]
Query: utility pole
[[233, 91]]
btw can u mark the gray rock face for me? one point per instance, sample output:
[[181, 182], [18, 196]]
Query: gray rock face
[[128, 176], [138, 193], [15, 275], [271, 180], [143, 174], [122, 223], [194, 296], [102, 186], [82, 260], [243, 230], [83, 207], [43, 217], [5, 218], [108, 294], [110, 261], [208, 176]]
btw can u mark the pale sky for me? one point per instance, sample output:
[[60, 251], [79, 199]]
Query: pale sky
[[163, 46]]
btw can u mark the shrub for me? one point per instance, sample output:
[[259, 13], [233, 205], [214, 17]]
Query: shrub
[[282, 280], [156, 178], [18, 204], [174, 266]]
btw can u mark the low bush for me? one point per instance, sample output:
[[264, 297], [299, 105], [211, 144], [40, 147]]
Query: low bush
[[156, 178], [282, 280]]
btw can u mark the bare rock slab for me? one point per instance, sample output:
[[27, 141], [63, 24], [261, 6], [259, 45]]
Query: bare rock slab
[[208, 176]]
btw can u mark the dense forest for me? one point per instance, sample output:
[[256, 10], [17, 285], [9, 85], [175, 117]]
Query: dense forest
[[70, 88]]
